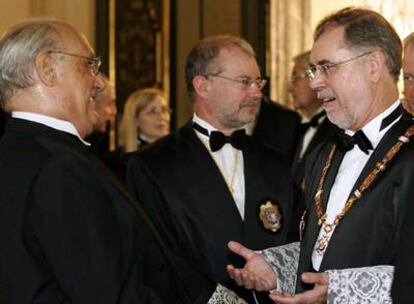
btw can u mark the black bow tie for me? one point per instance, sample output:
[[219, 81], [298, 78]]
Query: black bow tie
[[346, 142], [314, 122], [238, 139]]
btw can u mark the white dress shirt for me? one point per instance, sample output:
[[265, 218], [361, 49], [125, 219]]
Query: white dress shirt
[[229, 161], [349, 171], [57, 124]]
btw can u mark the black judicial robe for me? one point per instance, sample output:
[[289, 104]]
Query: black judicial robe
[[181, 187], [368, 234], [278, 127], [70, 234]]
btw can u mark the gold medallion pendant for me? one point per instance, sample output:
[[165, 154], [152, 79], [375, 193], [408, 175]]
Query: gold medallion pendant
[[270, 216]]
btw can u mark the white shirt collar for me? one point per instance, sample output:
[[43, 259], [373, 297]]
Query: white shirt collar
[[57, 124], [205, 124], [372, 128]]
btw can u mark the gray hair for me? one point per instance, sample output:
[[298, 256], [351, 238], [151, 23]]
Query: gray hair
[[202, 57], [365, 28], [19, 48]]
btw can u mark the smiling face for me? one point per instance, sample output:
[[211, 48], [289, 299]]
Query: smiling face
[[78, 85], [153, 121], [346, 90], [229, 104]]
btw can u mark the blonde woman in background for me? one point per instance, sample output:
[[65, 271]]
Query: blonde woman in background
[[146, 118]]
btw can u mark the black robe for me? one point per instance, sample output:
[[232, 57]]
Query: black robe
[[71, 234], [183, 190], [368, 234], [278, 127]]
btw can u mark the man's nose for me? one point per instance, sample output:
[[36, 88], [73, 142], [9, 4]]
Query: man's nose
[[100, 83]]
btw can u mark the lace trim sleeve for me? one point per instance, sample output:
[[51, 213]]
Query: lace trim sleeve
[[366, 285], [223, 295], [284, 262]]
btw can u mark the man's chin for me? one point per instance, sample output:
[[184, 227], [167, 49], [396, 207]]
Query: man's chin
[[340, 123]]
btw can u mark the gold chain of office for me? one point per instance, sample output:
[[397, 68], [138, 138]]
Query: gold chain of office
[[380, 166]]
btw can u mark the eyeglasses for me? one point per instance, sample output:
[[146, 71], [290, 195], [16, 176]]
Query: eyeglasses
[[246, 83], [324, 69], [408, 79], [91, 63]]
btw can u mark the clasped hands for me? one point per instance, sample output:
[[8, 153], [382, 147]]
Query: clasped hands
[[258, 275]]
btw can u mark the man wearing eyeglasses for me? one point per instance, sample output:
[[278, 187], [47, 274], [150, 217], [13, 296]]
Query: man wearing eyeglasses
[[70, 233], [209, 183], [315, 127], [360, 185]]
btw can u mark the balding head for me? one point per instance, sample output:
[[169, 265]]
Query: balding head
[[47, 67]]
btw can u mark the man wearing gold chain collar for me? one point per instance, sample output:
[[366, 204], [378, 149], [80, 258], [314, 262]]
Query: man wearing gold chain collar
[[360, 183], [209, 183]]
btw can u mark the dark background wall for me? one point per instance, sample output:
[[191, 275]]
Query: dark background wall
[[137, 23]]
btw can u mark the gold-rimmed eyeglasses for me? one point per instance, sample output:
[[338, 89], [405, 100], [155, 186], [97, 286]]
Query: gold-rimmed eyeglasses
[[246, 83], [91, 63], [324, 69]]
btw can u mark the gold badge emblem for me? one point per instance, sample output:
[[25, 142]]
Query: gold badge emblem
[[270, 216]]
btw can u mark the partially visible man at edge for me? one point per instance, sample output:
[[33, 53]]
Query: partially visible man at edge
[[408, 73], [69, 232], [360, 186], [404, 268]]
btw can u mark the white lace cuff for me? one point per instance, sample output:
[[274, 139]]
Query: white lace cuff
[[223, 295], [284, 262], [366, 285]]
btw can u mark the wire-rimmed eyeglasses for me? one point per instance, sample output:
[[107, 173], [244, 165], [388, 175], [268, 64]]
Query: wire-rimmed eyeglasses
[[324, 69], [247, 83], [91, 63]]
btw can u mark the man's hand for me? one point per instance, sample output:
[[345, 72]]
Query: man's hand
[[256, 273], [315, 296]]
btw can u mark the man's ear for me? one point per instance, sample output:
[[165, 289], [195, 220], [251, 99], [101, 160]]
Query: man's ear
[[201, 86], [376, 63], [45, 67]]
